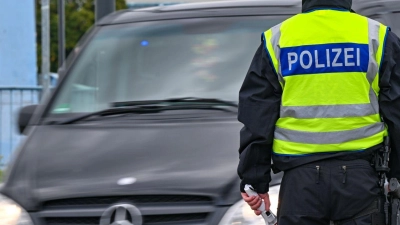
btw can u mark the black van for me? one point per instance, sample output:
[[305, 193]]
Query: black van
[[142, 129]]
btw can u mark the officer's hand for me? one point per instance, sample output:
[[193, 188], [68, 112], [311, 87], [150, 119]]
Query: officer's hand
[[255, 202]]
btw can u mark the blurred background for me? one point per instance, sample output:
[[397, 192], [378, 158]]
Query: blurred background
[[139, 108], [21, 47]]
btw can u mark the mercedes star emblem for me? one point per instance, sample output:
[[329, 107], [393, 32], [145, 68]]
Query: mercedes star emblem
[[122, 214]]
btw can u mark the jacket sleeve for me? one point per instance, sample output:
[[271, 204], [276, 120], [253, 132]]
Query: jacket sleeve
[[259, 104], [389, 99]]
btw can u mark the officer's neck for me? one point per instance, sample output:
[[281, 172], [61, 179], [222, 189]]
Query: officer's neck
[[310, 5]]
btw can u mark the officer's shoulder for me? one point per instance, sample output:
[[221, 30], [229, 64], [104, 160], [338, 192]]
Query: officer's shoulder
[[392, 39]]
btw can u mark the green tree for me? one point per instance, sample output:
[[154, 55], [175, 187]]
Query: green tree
[[79, 17]]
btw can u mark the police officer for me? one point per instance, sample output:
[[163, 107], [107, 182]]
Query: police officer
[[313, 100]]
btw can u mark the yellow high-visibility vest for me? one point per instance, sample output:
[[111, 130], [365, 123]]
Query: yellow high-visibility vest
[[327, 62]]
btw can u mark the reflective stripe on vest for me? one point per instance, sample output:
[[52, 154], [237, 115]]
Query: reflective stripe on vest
[[327, 63]]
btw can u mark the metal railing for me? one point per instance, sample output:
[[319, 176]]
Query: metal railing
[[12, 99]]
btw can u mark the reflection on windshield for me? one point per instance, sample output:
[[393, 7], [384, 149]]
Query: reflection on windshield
[[203, 58]]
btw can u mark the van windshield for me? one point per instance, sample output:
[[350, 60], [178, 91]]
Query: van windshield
[[199, 58]]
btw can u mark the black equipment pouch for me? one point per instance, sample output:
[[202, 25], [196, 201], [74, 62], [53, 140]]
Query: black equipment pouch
[[374, 210], [381, 164]]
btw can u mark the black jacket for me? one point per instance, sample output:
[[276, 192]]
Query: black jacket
[[259, 105]]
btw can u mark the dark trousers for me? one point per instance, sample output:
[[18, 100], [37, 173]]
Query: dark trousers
[[345, 192]]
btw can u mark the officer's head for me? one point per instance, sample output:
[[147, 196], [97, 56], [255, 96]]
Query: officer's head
[[347, 3]]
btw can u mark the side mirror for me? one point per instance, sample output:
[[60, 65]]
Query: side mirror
[[25, 115], [61, 72]]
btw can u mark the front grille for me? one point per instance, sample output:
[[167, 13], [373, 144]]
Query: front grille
[[140, 199], [147, 220], [187, 218], [73, 221], [155, 209]]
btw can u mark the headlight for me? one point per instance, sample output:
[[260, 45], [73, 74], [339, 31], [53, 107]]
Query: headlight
[[13, 214], [242, 214]]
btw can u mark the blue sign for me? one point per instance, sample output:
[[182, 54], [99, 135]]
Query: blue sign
[[17, 67]]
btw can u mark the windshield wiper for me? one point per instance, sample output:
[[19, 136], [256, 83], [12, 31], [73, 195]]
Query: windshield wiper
[[185, 100], [155, 106]]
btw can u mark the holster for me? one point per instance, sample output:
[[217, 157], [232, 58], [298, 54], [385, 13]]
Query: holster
[[394, 211], [381, 164]]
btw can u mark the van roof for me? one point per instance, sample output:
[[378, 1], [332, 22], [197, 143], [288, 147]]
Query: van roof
[[232, 8], [204, 9]]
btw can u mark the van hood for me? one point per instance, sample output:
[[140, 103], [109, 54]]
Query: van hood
[[92, 159]]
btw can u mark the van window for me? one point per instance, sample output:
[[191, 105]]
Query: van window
[[380, 19], [395, 25], [201, 58]]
